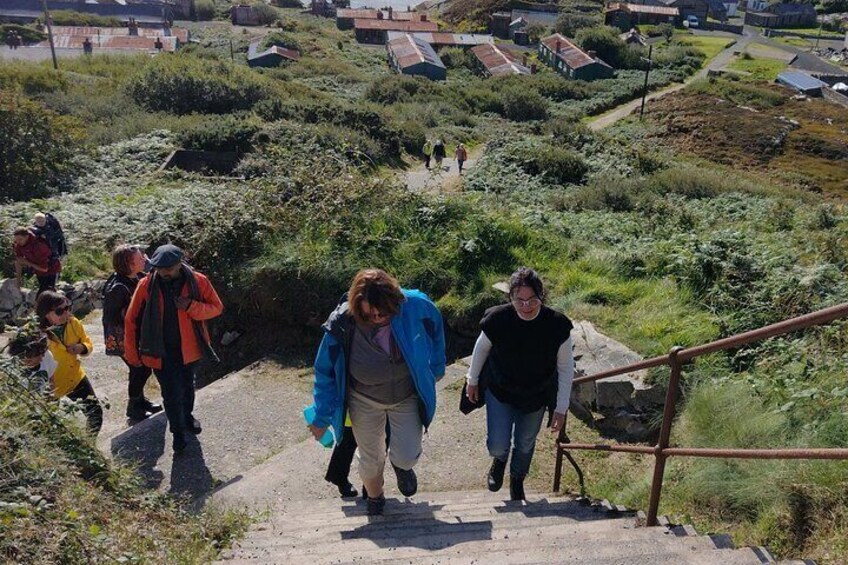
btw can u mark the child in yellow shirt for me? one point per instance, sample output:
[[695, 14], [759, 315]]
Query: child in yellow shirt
[[67, 342]]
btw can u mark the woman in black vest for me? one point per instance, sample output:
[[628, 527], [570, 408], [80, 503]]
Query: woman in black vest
[[525, 351]]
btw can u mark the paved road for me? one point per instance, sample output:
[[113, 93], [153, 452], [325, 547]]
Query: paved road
[[718, 62]]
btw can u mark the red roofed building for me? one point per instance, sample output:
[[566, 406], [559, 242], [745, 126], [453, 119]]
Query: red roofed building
[[495, 60], [570, 61], [376, 31], [346, 16], [410, 55], [627, 16]]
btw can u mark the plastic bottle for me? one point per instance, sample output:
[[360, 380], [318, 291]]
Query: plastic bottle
[[326, 439]]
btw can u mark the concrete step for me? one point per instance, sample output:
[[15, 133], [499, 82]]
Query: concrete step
[[550, 547], [408, 514], [436, 534]]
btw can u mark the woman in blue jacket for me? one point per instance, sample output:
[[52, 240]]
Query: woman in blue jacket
[[390, 342]]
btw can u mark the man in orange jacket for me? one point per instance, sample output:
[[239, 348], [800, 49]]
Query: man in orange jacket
[[165, 330]]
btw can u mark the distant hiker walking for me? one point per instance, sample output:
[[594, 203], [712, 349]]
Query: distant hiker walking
[[523, 357], [129, 263], [33, 255], [428, 151], [165, 330], [382, 352], [47, 226], [461, 156], [439, 153]]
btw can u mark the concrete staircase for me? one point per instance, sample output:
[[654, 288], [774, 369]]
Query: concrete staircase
[[476, 527]]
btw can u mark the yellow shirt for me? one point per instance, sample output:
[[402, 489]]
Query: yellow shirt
[[69, 372]]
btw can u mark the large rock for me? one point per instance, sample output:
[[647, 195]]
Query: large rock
[[10, 295]]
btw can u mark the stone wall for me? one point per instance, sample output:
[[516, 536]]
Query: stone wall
[[17, 304]]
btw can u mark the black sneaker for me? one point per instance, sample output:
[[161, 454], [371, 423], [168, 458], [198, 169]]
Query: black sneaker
[[496, 475], [151, 407], [376, 505], [193, 426], [516, 488], [137, 410], [179, 444], [406, 480], [347, 491]]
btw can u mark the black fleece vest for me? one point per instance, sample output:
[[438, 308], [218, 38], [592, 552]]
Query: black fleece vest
[[523, 370]]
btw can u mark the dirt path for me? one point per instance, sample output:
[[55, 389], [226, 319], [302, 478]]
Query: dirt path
[[718, 62], [446, 179]]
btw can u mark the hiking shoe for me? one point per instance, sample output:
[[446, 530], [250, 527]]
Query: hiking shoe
[[179, 444], [496, 475], [406, 480], [347, 491], [376, 505], [137, 410], [193, 426], [516, 488], [151, 407]]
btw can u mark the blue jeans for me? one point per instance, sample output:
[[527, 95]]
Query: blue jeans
[[508, 427]]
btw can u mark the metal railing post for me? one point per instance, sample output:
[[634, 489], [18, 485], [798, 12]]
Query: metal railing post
[[559, 451], [665, 435]]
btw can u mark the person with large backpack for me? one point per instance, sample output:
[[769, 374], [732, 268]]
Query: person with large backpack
[[48, 227], [33, 255]]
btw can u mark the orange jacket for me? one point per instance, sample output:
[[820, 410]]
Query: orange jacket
[[209, 306]]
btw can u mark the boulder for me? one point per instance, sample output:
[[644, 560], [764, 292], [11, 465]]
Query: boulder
[[10, 295]]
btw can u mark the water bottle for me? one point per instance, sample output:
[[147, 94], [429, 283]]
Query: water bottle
[[326, 439]]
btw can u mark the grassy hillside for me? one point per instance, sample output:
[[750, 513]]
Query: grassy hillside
[[686, 227]]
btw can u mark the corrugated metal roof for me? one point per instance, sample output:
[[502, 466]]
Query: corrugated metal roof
[[178, 32], [369, 14], [499, 61], [643, 9], [800, 81], [573, 56], [394, 25], [122, 42], [274, 49], [448, 39], [409, 50]]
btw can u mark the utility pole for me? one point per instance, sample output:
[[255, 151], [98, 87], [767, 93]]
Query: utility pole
[[645, 88], [232, 51], [818, 37], [49, 24]]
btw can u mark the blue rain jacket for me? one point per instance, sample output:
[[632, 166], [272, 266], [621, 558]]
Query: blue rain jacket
[[419, 333]]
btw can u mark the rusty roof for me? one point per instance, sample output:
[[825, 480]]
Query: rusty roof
[[394, 25], [499, 61], [119, 42], [178, 32], [409, 50], [644, 9], [369, 14], [449, 39], [573, 56]]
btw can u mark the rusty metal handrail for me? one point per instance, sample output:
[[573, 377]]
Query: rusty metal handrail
[[675, 360]]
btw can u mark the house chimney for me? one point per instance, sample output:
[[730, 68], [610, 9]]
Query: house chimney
[[390, 12], [133, 27], [423, 17], [379, 14], [558, 46], [533, 69]]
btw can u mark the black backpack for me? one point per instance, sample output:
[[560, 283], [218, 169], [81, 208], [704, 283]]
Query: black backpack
[[55, 237]]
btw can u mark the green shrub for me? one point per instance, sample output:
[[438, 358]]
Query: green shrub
[[184, 84], [569, 23], [280, 39], [31, 79], [399, 88], [457, 58], [555, 164], [204, 10], [611, 193], [85, 19], [740, 93], [28, 34], [522, 105], [265, 14], [605, 41], [233, 132], [37, 156]]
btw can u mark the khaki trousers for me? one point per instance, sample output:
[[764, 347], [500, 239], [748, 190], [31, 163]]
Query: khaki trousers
[[368, 420]]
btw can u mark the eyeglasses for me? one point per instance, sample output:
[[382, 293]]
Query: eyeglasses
[[530, 302], [61, 310]]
